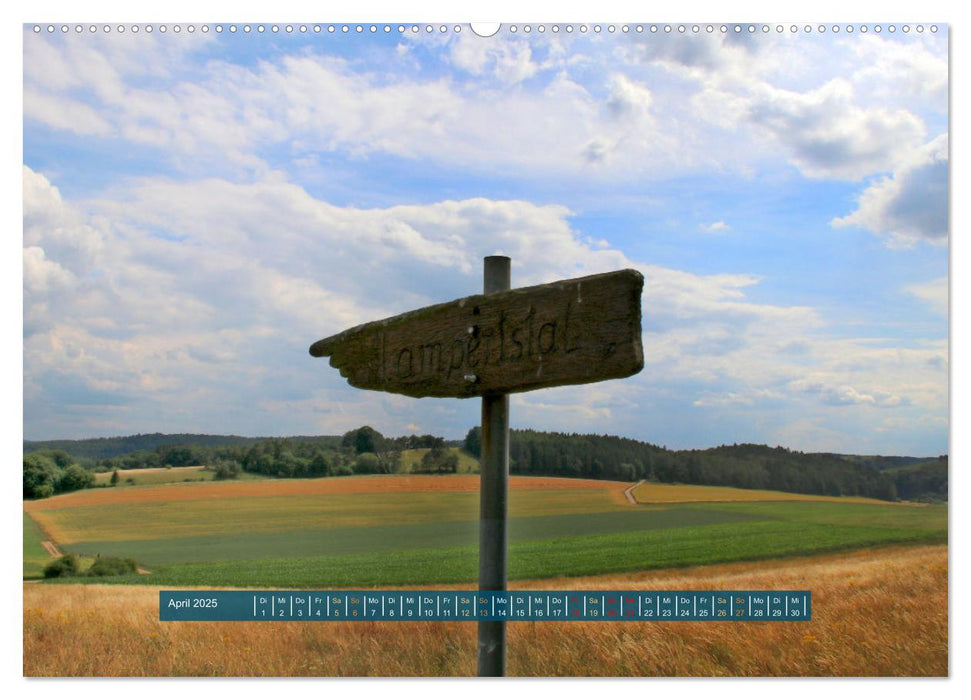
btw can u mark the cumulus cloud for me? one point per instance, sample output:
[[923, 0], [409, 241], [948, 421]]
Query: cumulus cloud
[[893, 71], [213, 290], [212, 284], [184, 300], [42, 276], [226, 115], [844, 394], [509, 61], [186, 288], [594, 114], [57, 227], [847, 127], [911, 204], [830, 136]]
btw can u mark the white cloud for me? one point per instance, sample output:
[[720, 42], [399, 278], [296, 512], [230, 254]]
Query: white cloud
[[866, 372], [202, 295], [65, 113], [737, 398], [196, 286], [828, 135], [726, 101], [911, 204], [900, 71], [716, 227], [225, 115], [844, 127], [934, 293], [509, 61], [57, 227], [210, 290], [41, 276], [188, 292]]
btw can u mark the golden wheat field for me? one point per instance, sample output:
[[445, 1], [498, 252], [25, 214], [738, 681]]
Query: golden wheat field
[[651, 493], [879, 612], [304, 487]]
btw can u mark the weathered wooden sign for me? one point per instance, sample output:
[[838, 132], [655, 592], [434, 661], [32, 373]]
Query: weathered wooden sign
[[569, 332], [490, 345]]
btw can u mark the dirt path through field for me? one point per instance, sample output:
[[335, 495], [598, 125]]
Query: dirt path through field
[[53, 550], [629, 493]]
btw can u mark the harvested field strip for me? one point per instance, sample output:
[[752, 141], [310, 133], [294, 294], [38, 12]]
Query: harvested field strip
[[303, 487], [881, 612], [430, 535], [651, 493], [36, 556], [573, 556], [230, 516]]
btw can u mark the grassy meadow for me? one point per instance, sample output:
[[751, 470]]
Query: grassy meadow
[[35, 556], [411, 460], [855, 630], [423, 529], [163, 475]]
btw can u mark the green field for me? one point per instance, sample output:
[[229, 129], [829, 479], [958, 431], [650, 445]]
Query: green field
[[538, 559], [391, 537], [35, 556], [163, 475]]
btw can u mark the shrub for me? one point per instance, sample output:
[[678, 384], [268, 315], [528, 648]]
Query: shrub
[[225, 469], [367, 463], [75, 478], [43, 491], [62, 566], [112, 566]]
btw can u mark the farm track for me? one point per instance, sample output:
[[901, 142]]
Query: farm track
[[51, 549]]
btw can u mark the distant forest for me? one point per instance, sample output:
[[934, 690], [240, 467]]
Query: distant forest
[[56, 466]]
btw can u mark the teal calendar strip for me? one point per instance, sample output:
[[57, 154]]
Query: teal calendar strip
[[470, 606]]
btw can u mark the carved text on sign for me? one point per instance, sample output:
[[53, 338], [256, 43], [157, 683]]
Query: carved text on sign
[[567, 332]]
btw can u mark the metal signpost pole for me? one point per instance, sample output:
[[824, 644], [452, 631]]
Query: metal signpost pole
[[493, 492]]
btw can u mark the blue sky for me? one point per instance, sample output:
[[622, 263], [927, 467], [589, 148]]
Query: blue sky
[[199, 208]]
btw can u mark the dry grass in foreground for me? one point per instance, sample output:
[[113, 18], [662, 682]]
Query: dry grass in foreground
[[875, 613]]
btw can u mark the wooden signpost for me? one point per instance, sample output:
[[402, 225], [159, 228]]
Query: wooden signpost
[[504, 341]]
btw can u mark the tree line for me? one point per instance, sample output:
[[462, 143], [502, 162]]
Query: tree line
[[747, 466], [53, 471], [366, 451]]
